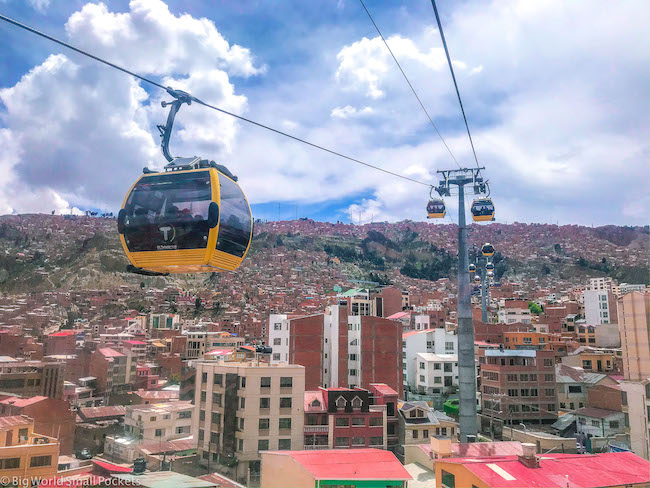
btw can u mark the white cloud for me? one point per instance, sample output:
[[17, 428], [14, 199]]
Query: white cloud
[[349, 111], [40, 5], [82, 133]]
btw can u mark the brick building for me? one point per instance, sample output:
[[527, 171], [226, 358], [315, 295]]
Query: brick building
[[32, 378], [518, 385], [339, 350], [52, 417], [344, 418], [63, 342]]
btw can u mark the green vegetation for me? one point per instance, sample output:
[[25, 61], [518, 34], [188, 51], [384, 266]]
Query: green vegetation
[[534, 308]]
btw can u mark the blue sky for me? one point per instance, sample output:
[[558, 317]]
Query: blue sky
[[556, 95]]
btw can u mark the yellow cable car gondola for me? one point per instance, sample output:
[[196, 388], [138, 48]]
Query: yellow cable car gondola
[[472, 268], [477, 279], [482, 210], [489, 266], [487, 249], [193, 217], [436, 209]]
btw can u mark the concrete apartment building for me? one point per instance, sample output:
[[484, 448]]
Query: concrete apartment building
[[200, 343], [436, 374], [514, 311], [113, 371], [62, 342], [436, 341], [247, 407], [633, 313], [633, 309], [25, 454], [160, 421], [573, 384], [600, 307], [518, 385], [32, 378], [339, 350], [419, 422]]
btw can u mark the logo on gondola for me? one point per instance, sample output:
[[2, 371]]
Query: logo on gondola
[[168, 233]]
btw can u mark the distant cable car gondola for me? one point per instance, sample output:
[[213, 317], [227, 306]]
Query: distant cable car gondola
[[477, 279], [472, 268], [487, 249], [192, 217], [490, 274], [482, 210], [436, 209], [489, 266]]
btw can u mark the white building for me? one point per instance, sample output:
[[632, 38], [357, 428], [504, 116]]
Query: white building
[[435, 373], [200, 343], [598, 422], [279, 338], [600, 284], [624, 288], [159, 421], [597, 307], [436, 341]]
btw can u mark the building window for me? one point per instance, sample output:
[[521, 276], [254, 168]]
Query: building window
[[263, 424], [187, 414], [265, 382], [341, 402], [216, 399], [276, 356], [242, 403], [449, 346], [218, 379], [216, 418], [490, 375], [548, 363], [358, 421], [38, 461], [241, 424], [201, 434], [342, 442], [285, 423], [286, 382], [595, 423], [376, 421], [512, 377], [415, 434], [353, 357], [627, 419], [436, 379], [523, 377], [356, 402], [575, 389], [263, 445], [159, 432], [285, 402], [549, 391], [277, 326], [513, 392], [204, 377], [586, 364], [353, 372], [10, 463], [358, 441], [548, 377], [277, 341], [425, 433], [241, 445], [421, 365], [284, 445], [265, 402], [624, 397], [376, 441], [448, 479], [203, 396], [613, 424], [202, 415], [342, 422], [214, 438]]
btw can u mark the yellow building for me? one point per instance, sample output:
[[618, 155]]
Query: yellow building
[[24, 453], [593, 360], [633, 312]]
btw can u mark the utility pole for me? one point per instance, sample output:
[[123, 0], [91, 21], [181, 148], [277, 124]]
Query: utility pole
[[466, 361]]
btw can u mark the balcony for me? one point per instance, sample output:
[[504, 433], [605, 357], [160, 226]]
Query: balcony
[[313, 429]]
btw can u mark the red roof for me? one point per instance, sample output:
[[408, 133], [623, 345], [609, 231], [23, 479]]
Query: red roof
[[219, 352], [398, 315], [310, 396], [110, 353], [23, 402], [383, 388], [480, 449], [413, 332], [560, 470], [113, 468], [63, 333], [139, 343], [350, 464], [14, 420]]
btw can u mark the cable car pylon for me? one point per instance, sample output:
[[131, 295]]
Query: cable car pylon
[[466, 366]]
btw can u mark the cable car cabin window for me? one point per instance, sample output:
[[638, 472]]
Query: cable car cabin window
[[234, 219], [167, 212]]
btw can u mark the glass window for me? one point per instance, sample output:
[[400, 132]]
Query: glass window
[[376, 441], [285, 402], [40, 461], [234, 219], [376, 421], [265, 382], [285, 423], [218, 379], [284, 445], [263, 424], [265, 402], [263, 445], [342, 442], [286, 382], [358, 421], [448, 480], [168, 211], [358, 441], [342, 422]]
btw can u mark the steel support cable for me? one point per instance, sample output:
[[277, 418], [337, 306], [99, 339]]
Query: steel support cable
[[453, 76], [147, 80], [408, 81]]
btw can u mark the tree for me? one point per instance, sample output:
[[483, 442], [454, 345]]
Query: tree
[[534, 308], [558, 248]]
